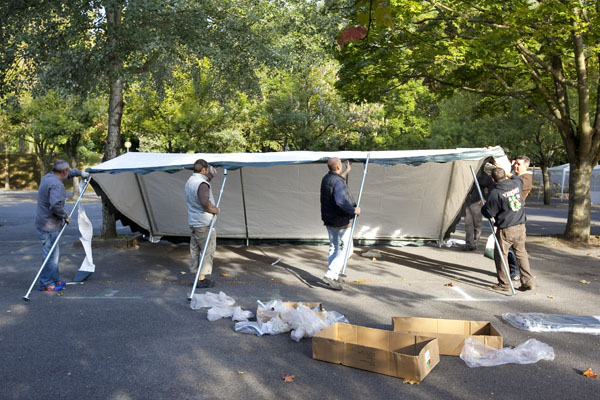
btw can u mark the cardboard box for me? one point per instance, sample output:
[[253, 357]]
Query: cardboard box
[[266, 315], [385, 352], [451, 333]]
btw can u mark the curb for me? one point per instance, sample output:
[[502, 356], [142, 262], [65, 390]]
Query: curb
[[126, 242]]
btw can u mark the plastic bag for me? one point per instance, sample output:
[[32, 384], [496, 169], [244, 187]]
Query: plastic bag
[[209, 299], [476, 354], [538, 322], [274, 326], [489, 247], [248, 327], [219, 312], [241, 315]]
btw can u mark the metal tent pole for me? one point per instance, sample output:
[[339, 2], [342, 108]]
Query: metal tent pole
[[244, 205], [26, 297], [212, 223], [349, 244], [506, 271]]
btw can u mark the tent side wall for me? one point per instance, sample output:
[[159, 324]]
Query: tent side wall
[[282, 201]]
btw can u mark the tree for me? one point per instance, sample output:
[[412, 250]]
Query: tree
[[103, 45], [542, 53]]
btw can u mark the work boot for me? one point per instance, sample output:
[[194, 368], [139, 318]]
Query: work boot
[[501, 288], [525, 288], [205, 283]]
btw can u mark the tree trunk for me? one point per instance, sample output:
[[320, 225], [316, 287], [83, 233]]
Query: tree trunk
[[546, 183], [579, 218], [115, 110], [6, 165]]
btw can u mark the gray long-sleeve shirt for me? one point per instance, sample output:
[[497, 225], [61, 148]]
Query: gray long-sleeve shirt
[[51, 202]]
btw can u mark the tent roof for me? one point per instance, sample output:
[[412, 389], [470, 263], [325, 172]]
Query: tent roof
[[143, 163]]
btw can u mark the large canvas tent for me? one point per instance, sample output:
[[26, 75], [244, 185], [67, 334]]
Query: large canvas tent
[[415, 194]]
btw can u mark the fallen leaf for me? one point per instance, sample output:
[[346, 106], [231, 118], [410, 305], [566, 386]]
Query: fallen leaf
[[225, 274], [403, 279], [241, 372], [584, 282], [373, 259], [410, 381], [589, 373], [451, 284], [288, 378], [183, 272], [550, 297], [357, 281]]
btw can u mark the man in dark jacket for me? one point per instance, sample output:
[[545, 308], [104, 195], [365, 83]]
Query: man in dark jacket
[[337, 211], [505, 205]]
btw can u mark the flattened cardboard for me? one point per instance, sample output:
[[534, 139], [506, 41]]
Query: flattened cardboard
[[385, 352], [267, 315], [451, 333]]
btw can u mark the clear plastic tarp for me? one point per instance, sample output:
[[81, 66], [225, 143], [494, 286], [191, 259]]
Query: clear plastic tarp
[[476, 354], [538, 322]]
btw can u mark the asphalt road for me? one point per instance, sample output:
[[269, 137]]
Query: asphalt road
[[128, 332]]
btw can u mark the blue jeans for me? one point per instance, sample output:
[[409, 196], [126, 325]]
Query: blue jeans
[[339, 240], [50, 272]]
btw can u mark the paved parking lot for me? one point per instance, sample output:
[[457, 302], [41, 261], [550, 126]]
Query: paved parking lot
[[128, 332]]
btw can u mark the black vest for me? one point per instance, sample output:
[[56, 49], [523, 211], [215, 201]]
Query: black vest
[[331, 214]]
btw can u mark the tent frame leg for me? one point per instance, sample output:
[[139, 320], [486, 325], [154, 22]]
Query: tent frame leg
[[362, 183]]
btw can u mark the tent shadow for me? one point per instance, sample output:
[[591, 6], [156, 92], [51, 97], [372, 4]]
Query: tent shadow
[[301, 275], [441, 268]]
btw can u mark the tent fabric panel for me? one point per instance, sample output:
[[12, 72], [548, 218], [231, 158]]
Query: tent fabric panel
[[163, 197], [230, 221], [401, 201], [283, 201], [123, 192], [462, 181]]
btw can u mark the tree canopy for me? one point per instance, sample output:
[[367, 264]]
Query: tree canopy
[[543, 53]]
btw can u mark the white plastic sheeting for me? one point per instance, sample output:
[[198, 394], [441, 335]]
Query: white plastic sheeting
[[539, 322], [87, 232], [476, 354]]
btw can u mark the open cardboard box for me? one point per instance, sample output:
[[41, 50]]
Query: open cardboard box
[[385, 352], [266, 315], [451, 334]]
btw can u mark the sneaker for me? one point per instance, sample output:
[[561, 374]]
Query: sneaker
[[340, 279], [51, 288], [205, 283], [60, 283], [333, 284], [525, 288], [501, 288], [516, 278]]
